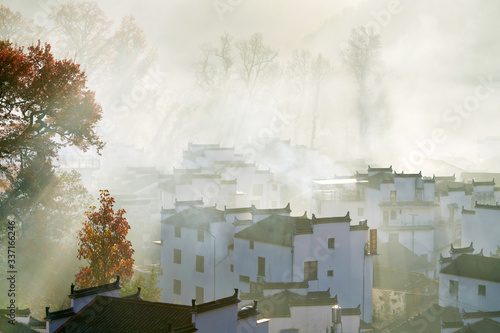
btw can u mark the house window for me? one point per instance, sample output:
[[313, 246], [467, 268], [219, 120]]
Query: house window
[[310, 270], [231, 268], [244, 278], [200, 264], [481, 290], [393, 196], [261, 271], [361, 211], [201, 236], [393, 214], [329, 272], [177, 287], [454, 288], [258, 189], [331, 243], [199, 294], [178, 231], [250, 245], [177, 256], [386, 217]]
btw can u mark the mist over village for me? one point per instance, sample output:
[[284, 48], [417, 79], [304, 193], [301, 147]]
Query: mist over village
[[249, 166]]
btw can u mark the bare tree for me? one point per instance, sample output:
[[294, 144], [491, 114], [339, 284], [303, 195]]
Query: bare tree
[[256, 58], [320, 70], [309, 73], [216, 63], [360, 59]]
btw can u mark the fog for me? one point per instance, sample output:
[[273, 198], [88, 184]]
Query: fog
[[431, 99], [433, 56]]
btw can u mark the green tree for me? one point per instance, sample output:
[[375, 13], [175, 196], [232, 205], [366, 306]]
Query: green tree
[[148, 282]]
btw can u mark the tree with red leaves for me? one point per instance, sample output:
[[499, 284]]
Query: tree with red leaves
[[104, 245]]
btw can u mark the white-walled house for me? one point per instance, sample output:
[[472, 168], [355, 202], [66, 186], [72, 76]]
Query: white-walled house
[[100, 309], [328, 253], [470, 282], [481, 226]]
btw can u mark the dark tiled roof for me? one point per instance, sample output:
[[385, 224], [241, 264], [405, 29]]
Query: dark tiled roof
[[407, 175], [278, 305], [486, 206], [459, 250], [237, 210], [419, 203], [275, 229], [339, 219], [483, 326], [444, 178], [195, 217], [189, 202], [314, 301], [443, 260], [375, 180], [468, 211], [136, 296], [490, 183], [351, 311], [456, 189], [475, 267], [363, 225], [285, 285], [481, 314], [112, 314], [394, 255], [35, 323], [218, 303], [228, 182], [319, 294], [284, 210], [242, 222], [77, 293], [248, 311], [66, 313], [389, 169]]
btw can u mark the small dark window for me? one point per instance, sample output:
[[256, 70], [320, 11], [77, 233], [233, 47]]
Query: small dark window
[[244, 278], [453, 288], [250, 245], [329, 272], [393, 214], [177, 287], [177, 231], [200, 264], [177, 256], [201, 236], [199, 295], [310, 270], [231, 268], [393, 196], [331, 243], [261, 271], [481, 290]]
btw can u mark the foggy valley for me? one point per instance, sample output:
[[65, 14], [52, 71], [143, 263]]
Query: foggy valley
[[334, 162]]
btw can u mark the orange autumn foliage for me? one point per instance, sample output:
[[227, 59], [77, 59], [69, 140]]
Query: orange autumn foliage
[[104, 245]]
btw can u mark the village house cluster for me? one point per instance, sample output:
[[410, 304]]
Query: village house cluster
[[378, 250]]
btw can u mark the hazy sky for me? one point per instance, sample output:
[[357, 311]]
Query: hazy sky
[[436, 54]]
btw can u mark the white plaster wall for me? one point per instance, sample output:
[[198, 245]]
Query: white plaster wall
[[468, 297]]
